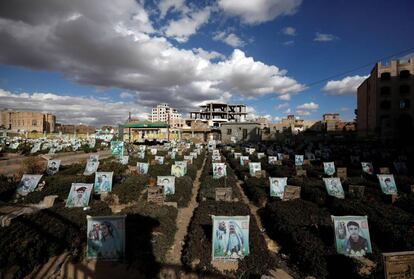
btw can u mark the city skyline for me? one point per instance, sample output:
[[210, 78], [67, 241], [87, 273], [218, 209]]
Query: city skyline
[[94, 62]]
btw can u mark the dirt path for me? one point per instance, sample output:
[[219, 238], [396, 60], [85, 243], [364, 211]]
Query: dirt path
[[183, 221], [13, 165]]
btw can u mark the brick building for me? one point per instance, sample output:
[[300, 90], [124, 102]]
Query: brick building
[[385, 100], [22, 121]]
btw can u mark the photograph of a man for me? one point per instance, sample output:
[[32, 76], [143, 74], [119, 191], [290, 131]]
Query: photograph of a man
[[356, 244]]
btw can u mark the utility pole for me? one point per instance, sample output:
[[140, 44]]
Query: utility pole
[[168, 128]]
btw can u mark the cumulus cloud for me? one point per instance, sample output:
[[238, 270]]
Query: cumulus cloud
[[319, 37], [70, 109], [114, 44], [311, 106], [345, 86], [187, 25], [176, 5], [290, 31], [256, 12], [289, 43], [302, 112], [230, 39], [284, 97], [208, 55]]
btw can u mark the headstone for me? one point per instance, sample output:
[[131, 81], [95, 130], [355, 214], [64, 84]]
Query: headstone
[[306, 162], [291, 193], [384, 170], [224, 194], [341, 173], [156, 195], [301, 172], [398, 265], [357, 190], [259, 174]]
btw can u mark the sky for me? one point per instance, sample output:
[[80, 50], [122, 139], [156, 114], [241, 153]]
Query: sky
[[92, 62]]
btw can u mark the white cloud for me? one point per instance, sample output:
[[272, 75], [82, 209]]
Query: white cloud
[[230, 39], [282, 106], [319, 37], [311, 106], [290, 31], [187, 25], [256, 12], [289, 43], [166, 5], [284, 97], [126, 95], [288, 111], [302, 112], [208, 55], [70, 109], [345, 86], [117, 47]]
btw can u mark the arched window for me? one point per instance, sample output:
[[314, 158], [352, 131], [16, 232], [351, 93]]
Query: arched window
[[385, 91]]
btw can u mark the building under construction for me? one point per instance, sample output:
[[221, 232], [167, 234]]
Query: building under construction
[[217, 113]]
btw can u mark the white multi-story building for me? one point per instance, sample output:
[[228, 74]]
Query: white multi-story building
[[163, 113]]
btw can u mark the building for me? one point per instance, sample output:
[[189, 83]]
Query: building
[[384, 100], [331, 121], [291, 124], [240, 132], [27, 121], [163, 113], [74, 129], [216, 113]]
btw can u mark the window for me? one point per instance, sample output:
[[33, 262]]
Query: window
[[385, 91], [385, 76], [228, 131], [385, 105], [244, 133], [404, 74], [34, 122], [404, 90], [404, 104]]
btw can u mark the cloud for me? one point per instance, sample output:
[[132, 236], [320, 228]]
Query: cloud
[[112, 44], [345, 86], [302, 112], [288, 111], [319, 37], [187, 25], [256, 12], [70, 109], [289, 43], [282, 106], [176, 5], [290, 31], [230, 39], [208, 55], [284, 97], [311, 106]]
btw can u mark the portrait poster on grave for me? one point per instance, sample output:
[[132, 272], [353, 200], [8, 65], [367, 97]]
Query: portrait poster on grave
[[91, 167], [387, 184], [117, 148], [103, 182], [219, 170], [299, 160], [230, 237], [35, 148], [182, 164], [272, 160], [367, 167], [177, 170], [260, 155], [329, 168], [244, 160], [142, 168], [141, 155], [352, 235], [124, 160], [53, 166], [291, 193], [216, 158], [334, 187], [105, 237], [254, 167], [28, 183], [399, 265], [159, 160], [153, 151], [168, 182], [79, 195], [277, 186], [94, 157], [224, 194]]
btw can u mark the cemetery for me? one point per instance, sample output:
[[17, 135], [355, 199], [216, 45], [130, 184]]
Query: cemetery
[[246, 210]]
